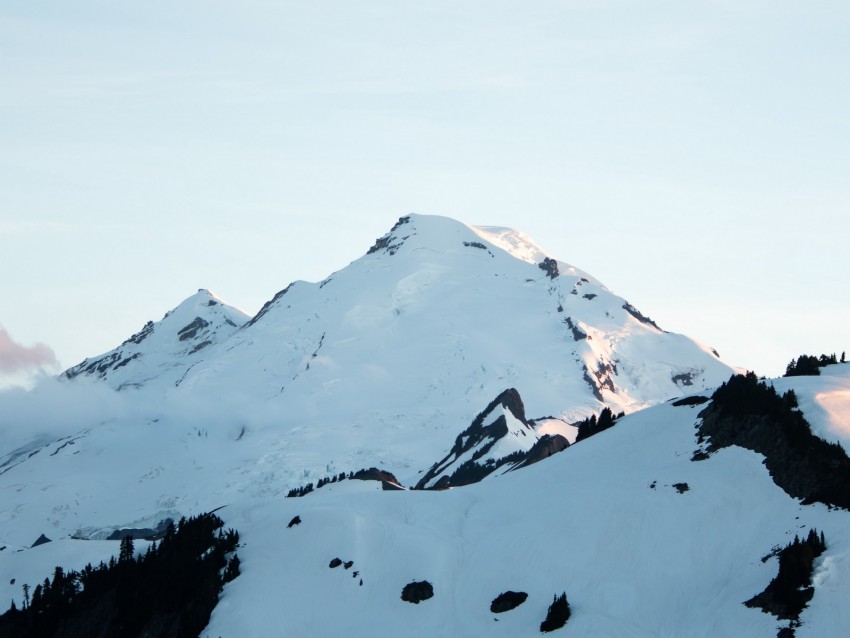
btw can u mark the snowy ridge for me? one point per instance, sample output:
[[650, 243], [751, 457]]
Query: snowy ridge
[[498, 440], [167, 348]]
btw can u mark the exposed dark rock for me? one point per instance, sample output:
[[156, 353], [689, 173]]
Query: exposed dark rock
[[388, 479], [212, 302], [141, 335], [191, 330], [41, 540], [683, 379], [63, 446], [296, 520], [681, 488], [200, 346], [590, 295], [380, 244], [790, 591], [97, 366], [267, 306], [578, 333], [637, 314], [507, 600], [603, 378], [692, 400], [146, 533], [335, 562], [124, 362], [474, 244], [416, 592], [316, 351], [401, 222], [385, 242], [549, 266], [750, 414], [557, 615], [348, 564], [589, 381]]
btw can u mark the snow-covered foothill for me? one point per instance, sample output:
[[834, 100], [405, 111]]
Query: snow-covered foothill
[[163, 351]]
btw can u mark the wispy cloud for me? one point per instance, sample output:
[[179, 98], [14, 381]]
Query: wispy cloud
[[16, 358]]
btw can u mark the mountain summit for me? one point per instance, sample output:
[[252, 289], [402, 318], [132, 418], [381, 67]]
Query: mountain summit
[[167, 348]]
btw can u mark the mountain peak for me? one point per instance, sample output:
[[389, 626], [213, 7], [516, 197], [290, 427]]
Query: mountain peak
[[430, 234], [165, 348]]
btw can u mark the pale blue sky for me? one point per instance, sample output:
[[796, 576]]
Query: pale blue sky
[[694, 156]]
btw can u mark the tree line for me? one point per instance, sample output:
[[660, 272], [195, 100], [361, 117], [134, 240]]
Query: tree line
[[170, 589], [810, 365]]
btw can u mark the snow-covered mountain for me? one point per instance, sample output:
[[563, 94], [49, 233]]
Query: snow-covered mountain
[[479, 305], [447, 354], [391, 357]]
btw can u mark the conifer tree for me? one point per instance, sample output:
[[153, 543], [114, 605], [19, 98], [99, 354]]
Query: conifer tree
[[127, 549]]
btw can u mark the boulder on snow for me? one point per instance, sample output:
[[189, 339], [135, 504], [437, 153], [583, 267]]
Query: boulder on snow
[[507, 600], [417, 591], [388, 479], [692, 400]]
